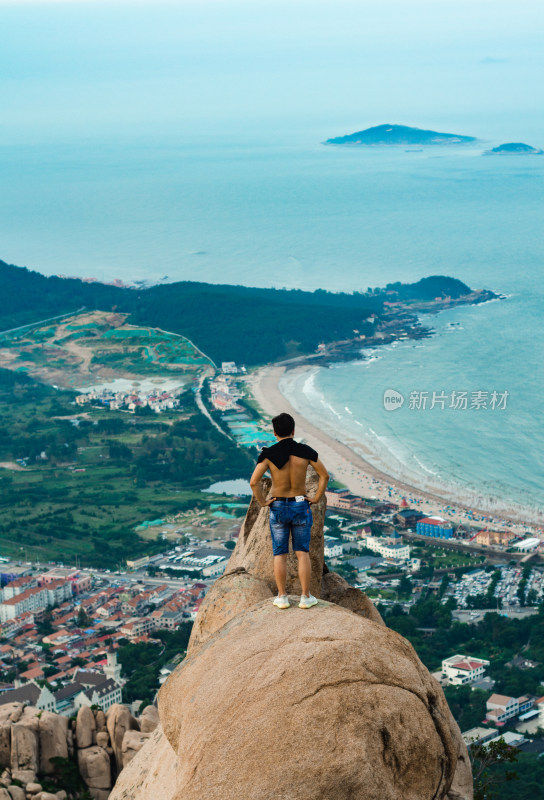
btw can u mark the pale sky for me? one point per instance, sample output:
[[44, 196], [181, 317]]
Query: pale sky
[[331, 67]]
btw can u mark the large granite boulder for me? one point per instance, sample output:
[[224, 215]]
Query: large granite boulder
[[52, 732], [85, 728], [9, 713], [231, 593], [94, 766], [297, 704], [25, 746], [321, 703], [119, 720]]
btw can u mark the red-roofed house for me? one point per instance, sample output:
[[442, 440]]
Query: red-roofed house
[[32, 674], [463, 669]]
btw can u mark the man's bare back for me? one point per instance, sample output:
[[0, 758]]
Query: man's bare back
[[290, 480]]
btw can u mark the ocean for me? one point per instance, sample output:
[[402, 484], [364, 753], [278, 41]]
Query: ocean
[[288, 211]]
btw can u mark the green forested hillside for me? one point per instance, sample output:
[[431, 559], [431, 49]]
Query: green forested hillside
[[228, 323]]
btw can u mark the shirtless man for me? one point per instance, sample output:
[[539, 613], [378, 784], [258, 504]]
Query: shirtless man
[[290, 507]]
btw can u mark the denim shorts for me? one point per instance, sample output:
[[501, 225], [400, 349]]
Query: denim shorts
[[290, 517]]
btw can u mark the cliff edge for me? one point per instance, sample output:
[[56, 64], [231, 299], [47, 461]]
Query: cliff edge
[[297, 704]]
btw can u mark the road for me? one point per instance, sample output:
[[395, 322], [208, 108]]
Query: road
[[202, 407], [42, 321]]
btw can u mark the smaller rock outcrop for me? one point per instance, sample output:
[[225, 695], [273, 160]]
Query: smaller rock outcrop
[[133, 741], [53, 740], [31, 740], [149, 719], [119, 720], [95, 769], [85, 728], [25, 746]]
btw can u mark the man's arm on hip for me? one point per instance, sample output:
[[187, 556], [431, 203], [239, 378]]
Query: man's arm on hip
[[323, 475], [255, 483]]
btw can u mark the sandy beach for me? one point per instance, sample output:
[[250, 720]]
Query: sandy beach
[[351, 469]]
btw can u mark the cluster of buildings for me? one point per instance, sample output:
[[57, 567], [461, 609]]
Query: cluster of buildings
[[157, 401], [60, 630], [462, 670], [477, 582], [343, 500], [24, 596], [224, 389], [101, 686], [432, 527]]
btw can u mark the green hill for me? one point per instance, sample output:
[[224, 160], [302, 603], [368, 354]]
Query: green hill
[[228, 323]]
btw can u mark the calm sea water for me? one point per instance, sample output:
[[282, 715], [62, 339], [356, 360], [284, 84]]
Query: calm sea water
[[297, 214]]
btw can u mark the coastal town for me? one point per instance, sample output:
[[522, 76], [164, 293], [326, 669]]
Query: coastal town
[[61, 626], [76, 637]]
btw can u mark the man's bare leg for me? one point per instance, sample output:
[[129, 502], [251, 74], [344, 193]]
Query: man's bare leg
[[304, 571], [280, 573]]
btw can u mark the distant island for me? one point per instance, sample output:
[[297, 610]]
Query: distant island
[[399, 134], [514, 148]]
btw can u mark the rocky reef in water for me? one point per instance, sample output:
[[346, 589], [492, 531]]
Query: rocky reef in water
[[297, 704]]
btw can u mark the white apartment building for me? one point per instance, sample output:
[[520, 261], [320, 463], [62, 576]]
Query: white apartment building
[[501, 708], [34, 599], [388, 548], [333, 547], [460, 669]]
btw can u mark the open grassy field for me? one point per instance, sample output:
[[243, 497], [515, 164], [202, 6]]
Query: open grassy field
[[92, 347]]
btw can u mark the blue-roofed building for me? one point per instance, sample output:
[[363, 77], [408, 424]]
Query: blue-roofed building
[[436, 527]]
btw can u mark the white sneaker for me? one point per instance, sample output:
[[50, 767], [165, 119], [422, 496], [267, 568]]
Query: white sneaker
[[282, 601], [307, 602]]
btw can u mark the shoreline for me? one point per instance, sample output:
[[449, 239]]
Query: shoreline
[[362, 478]]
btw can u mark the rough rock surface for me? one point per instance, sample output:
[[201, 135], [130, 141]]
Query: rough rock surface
[[52, 731], [230, 594], [119, 720], [16, 793], [9, 713], [337, 590], [94, 766], [151, 775], [85, 727], [102, 739], [378, 722], [149, 719], [133, 741], [24, 746]]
